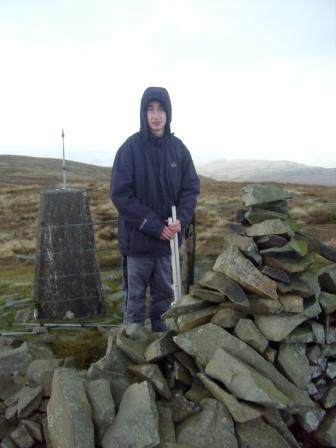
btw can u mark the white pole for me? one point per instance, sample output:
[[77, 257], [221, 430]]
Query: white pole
[[173, 263], [176, 258], [63, 166]]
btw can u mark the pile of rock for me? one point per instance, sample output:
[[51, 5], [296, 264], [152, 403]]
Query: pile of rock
[[249, 360]]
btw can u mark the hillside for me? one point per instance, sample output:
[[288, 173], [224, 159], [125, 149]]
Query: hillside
[[267, 171], [46, 171]]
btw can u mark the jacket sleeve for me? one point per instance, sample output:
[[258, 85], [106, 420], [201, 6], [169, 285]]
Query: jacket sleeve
[[138, 215], [190, 188]]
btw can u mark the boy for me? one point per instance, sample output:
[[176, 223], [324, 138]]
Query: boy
[[152, 171]]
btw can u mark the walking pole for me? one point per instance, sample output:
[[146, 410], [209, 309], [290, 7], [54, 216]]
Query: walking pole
[[175, 260]]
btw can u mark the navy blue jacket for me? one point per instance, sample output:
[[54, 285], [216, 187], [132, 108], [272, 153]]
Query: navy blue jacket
[[149, 175]]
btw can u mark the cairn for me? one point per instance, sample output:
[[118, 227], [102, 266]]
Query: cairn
[[249, 359]]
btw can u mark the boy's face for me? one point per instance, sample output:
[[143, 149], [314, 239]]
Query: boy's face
[[156, 118]]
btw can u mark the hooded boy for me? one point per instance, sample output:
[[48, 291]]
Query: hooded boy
[[152, 171]]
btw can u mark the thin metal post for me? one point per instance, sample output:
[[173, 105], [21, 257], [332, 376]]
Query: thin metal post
[[63, 166], [175, 260]]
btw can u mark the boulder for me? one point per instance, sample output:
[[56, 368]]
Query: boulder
[[258, 434], [294, 363], [263, 194]]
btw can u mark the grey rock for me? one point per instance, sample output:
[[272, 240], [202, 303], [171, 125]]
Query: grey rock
[[329, 400], [188, 321], [102, 404], [240, 411], [326, 434], [311, 419], [22, 316], [263, 194], [22, 437], [278, 327], [40, 373], [255, 215], [270, 354], [227, 318], [318, 332], [187, 361], [17, 359], [257, 434], [327, 279], [274, 419], [302, 335], [245, 382], [247, 331], [29, 400], [134, 349], [197, 391], [166, 425], [256, 305], [331, 370], [270, 227], [275, 274], [314, 354], [8, 386], [137, 411], [223, 284], [233, 264], [186, 304], [267, 241], [152, 374], [183, 408], [4, 427], [287, 264], [202, 342], [161, 347], [209, 428], [245, 244], [207, 295], [294, 248], [69, 412], [119, 381], [181, 374], [294, 363], [328, 302], [34, 428], [292, 303], [331, 336], [7, 442]]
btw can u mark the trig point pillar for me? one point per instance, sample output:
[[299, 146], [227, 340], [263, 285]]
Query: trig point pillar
[[67, 277]]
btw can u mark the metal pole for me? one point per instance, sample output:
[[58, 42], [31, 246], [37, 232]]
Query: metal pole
[[176, 259], [173, 263], [63, 166]]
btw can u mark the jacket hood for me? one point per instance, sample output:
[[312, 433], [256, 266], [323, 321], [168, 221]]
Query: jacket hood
[[154, 94]]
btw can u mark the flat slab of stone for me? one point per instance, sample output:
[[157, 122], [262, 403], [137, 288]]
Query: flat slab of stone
[[262, 194], [166, 425], [274, 419], [152, 373], [225, 285], [102, 403], [17, 359], [267, 241], [258, 434], [328, 302], [186, 304], [137, 421], [287, 264], [29, 399], [275, 274], [270, 227], [277, 327], [161, 347], [310, 420], [327, 279], [227, 318], [247, 331], [294, 248], [244, 382], [245, 244], [209, 428], [257, 305], [202, 342], [240, 411], [255, 215], [188, 321], [292, 303], [233, 264], [69, 412], [207, 295], [294, 363], [40, 372], [326, 434]]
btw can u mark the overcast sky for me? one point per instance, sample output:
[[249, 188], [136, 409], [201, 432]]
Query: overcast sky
[[250, 79]]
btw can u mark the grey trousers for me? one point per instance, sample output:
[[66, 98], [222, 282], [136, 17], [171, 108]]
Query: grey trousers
[[139, 274]]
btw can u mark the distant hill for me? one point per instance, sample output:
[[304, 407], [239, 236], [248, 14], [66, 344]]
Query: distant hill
[[266, 171], [45, 171], [23, 170]]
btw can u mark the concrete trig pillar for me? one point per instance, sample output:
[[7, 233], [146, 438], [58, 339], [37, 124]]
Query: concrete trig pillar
[[67, 277]]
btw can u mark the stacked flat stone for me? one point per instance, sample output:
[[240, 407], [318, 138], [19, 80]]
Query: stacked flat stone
[[249, 360]]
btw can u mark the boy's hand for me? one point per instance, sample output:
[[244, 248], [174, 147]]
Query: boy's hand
[[168, 233]]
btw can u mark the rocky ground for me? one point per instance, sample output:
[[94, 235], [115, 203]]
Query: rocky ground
[[249, 360]]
